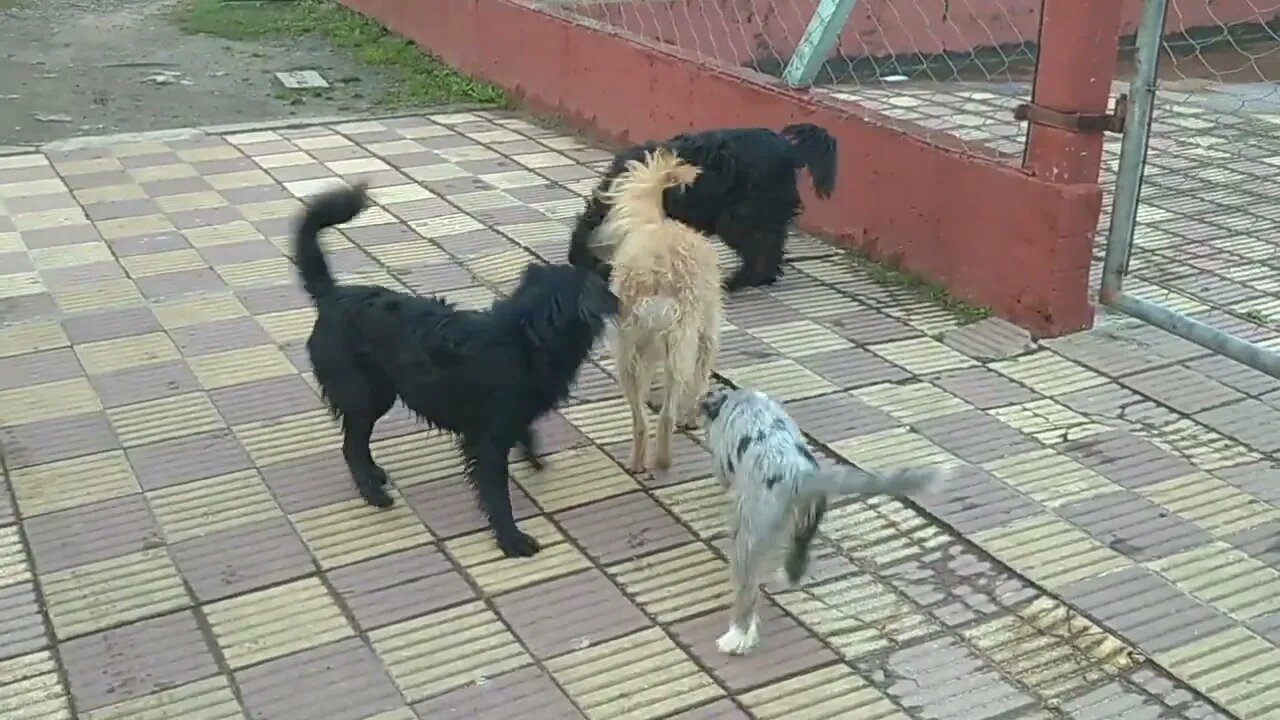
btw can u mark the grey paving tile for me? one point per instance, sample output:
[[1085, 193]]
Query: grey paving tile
[[944, 679], [623, 527], [1176, 695], [1125, 347], [135, 660], [39, 367], [273, 298], [90, 533], [599, 610], [65, 278], [1129, 523], [529, 689], [1146, 609], [241, 559], [140, 384], [974, 501], [1182, 389], [958, 585], [975, 437], [39, 306], [1260, 479], [310, 482], [989, 339], [1252, 422], [173, 285], [173, 462], [265, 399], [56, 439], [110, 324], [866, 326], [983, 388], [852, 368], [1117, 700], [1235, 375], [399, 586], [689, 461], [448, 506], [22, 626], [338, 681], [834, 417], [1126, 459]]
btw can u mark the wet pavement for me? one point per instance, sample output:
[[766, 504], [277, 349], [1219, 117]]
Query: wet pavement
[[179, 537]]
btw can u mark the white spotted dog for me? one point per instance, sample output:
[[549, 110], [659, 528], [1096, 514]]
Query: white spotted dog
[[774, 482]]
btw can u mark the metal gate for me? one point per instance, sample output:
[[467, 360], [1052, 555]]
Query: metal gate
[[1145, 103]]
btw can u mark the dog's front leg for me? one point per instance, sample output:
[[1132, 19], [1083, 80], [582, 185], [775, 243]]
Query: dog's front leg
[[489, 476]]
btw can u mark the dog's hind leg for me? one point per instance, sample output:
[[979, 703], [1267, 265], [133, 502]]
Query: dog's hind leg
[[487, 465], [357, 428], [679, 381], [708, 349], [634, 377], [808, 517]]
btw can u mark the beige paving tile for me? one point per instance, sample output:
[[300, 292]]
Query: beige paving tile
[[21, 283], [573, 477], [101, 295], [65, 256], [922, 356], [134, 226], [289, 325], [1049, 374], [1049, 477], [11, 242], [449, 649], [241, 179], [535, 233], [1211, 503], [446, 225], [1202, 447], [802, 337], [232, 232], [257, 273], [173, 417], [911, 402], [889, 449], [289, 437], [676, 584], [196, 509], [418, 457], [46, 219], [23, 160], [107, 356], [112, 592], [407, 254], [494, 573], [29, 684], [162, 262], [701, 504], [857, 615], [1050, 551], [69, 483], [207, 308], [882, 531], [638, 676], [205, 154], [351, 531], [14, 567], [110, 193], [782, 380], [1051, 648], [604, 421], [1224, 578], [1048, 421], [832, 692], [84, 167], [235, 367], [158, 173], [32, 188], [31, 337], [208, 699], [1230, 667], [47, 401], [276, 622], [270, 210]]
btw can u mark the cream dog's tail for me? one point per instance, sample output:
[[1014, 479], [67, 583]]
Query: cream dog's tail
[[637, 192]]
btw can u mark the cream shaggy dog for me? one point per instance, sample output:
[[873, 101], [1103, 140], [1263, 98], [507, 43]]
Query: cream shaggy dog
[[667, 279], [774, 484]]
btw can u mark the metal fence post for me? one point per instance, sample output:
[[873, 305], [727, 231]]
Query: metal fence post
[[819, 39], [1075, 65], [1133, 150]]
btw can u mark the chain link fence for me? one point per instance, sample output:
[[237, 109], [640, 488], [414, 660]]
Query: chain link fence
[[953, 71], [1207, 235]]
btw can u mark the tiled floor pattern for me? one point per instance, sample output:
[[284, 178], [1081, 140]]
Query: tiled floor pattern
[[1208, 234], [179, 537]]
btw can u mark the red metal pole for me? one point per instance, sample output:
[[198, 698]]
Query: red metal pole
[[1079, 41]]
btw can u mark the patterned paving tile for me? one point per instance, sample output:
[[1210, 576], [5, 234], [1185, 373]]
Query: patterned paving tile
[[341, 680], [30, 684], [110, 592], [275, 622]]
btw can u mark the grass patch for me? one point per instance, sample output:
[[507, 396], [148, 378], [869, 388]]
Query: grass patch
[[964, 313], [416, 79]]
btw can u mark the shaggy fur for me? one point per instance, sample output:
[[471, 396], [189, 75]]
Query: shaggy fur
[[774, 482], [746, 194], [485, 376], [666, 276]]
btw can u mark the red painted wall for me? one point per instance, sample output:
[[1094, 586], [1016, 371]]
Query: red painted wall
[[735, 31], [989, 232]]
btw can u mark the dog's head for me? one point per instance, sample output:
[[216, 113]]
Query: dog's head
[[713, 403]]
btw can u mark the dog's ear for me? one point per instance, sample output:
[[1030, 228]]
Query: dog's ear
[[713, 402]]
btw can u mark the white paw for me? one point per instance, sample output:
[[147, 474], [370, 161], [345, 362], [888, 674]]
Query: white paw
[[782, 581], [737, 642]]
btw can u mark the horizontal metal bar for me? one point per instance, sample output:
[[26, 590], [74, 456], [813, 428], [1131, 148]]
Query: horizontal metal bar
[[1242, 351]]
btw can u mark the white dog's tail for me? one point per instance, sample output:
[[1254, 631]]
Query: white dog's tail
[[845, 480], [655, 314]]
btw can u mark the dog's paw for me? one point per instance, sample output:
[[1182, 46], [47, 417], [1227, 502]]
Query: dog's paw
[[783, 581], [380, 476], [377, 497], [518, 544], [737, 642], [535, 462]]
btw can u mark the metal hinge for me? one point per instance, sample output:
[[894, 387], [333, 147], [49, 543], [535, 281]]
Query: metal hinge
[[1076, 122]]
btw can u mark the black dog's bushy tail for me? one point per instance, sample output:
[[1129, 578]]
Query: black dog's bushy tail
[[815, 149], [328, 209]]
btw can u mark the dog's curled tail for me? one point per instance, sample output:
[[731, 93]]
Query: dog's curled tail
[[845, 480], [815, 149], [330, 208], [644, 181]]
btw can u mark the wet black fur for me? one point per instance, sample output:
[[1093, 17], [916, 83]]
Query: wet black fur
[[483, 375], [746, 193]]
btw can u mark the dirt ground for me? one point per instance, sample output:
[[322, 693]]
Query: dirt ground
[[93, 67]]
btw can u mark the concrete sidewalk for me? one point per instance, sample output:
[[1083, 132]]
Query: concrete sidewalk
[[179, 537]]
